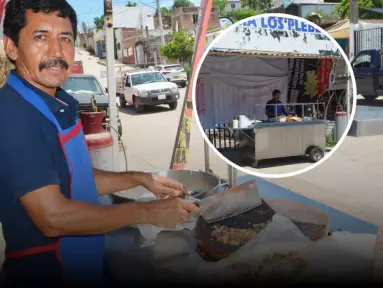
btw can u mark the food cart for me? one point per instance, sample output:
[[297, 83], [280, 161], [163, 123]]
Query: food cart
[[242, 69]]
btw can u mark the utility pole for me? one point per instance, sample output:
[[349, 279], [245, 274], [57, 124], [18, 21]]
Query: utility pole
[[109, 33], [354, 18], [161, 27], [148, 43]]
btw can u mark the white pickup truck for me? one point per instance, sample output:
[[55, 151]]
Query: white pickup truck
[[146, 88]]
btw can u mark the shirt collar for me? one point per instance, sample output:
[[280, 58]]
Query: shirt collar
[[61, 100]]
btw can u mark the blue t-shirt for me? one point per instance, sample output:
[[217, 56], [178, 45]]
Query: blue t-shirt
[[31, 157]]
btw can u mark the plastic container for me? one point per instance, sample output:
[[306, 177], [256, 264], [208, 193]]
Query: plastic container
[[242, 121], [235, 123]]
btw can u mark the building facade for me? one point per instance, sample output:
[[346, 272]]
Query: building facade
[[186, 18]]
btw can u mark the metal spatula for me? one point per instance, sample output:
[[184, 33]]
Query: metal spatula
[[232, 202]]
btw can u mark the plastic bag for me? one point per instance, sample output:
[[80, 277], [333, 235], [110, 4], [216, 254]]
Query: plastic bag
[[150, 232], [343, 256], [279, 251]]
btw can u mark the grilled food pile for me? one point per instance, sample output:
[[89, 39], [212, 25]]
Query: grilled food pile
[[233, 236], [294, 119]]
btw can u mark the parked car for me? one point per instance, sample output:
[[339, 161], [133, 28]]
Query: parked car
[[146, 88], [174, 73], [84, 87], [77, 67], [368, 71]]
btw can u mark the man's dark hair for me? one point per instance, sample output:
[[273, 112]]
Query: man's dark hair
[[276, 91], [15, 10]]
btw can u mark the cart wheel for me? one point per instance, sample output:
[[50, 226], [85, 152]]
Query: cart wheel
[[316, 154]]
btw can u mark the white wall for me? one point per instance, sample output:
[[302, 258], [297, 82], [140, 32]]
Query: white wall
[[237, 5], [230, 85], [118, 35], [133, 17]]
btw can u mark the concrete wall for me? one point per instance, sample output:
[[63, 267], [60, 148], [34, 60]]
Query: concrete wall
[[128, 45], [182, 18], [233, 5]]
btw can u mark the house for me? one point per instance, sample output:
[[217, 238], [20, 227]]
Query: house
[[233, 5], [125, 45], [318, 12], [100, 44], [85, 39], [186, 18], [131, 26]]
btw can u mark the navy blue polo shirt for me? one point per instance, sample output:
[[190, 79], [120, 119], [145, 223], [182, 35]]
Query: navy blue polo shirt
[[31, 157]]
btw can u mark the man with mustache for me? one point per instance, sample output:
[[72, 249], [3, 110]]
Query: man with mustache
[[53, 223]]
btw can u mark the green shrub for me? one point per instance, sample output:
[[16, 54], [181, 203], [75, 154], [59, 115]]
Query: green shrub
[[187, 70]]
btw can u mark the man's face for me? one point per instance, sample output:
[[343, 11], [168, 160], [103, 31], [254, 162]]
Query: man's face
[[45, 52], [277, 96]]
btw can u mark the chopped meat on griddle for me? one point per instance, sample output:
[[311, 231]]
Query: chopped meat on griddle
[[233, 236]]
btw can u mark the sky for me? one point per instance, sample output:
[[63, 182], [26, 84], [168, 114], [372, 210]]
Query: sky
[[88, 9]]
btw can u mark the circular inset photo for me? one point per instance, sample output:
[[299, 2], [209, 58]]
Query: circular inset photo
[[274, 95]]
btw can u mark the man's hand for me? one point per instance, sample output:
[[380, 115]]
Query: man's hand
[[167, 213], [163, 186]]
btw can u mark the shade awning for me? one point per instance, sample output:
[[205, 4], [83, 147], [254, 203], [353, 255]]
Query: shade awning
[[377, 10], [271, 54], [340, 30]]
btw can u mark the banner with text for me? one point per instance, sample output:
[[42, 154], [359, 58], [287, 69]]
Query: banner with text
[[280, 35]]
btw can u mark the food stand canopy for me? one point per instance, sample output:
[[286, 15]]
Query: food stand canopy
[[235, 82]]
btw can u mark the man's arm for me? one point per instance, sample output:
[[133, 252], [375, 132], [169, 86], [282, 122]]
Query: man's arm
[[284, 111], [110, 182], [56, 215]]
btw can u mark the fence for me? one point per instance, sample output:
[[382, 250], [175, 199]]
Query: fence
[[368, 39], [221, 138]]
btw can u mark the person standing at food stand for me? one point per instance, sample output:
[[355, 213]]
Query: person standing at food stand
[[273, 107]]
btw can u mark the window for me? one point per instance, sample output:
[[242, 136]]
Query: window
[[174, 68], [145, 78], [82, 85], [195, 18], [127, 84], [363, 60], [232, 6]]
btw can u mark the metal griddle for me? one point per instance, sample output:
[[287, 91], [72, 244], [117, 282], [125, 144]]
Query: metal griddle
[[216, 251]]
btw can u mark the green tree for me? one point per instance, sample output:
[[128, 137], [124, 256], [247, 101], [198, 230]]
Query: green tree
[[180, 47], [244, 3], [239, 14], [260, 6], [99, 22], [131, 4], [221, 4], [343, 9], [182, 3]]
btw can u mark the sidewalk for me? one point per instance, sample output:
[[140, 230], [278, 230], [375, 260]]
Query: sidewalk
[[102, 62]]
